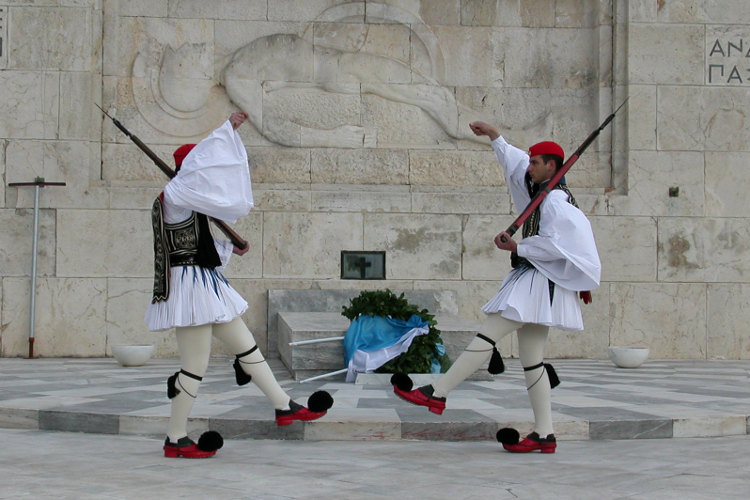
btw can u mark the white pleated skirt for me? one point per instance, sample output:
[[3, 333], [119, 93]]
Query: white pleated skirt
[[197, 296], [524, 297]]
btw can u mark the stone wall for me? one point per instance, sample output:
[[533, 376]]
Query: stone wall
[[358, 140]]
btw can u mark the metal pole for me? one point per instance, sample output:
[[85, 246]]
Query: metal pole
[[38, 184], [331, 374], [32, 308], [316, 341]]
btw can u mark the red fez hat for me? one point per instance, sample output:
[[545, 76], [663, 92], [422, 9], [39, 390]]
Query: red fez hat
[[181, 152], [547, 148]]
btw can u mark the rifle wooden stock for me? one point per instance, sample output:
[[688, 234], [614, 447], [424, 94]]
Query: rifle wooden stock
[[555, 180], [235, 238]]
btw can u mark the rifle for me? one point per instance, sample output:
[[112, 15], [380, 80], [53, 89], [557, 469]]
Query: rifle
[[555, 180], [235, 238]]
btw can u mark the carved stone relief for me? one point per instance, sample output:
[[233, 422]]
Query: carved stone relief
[[284, 79]]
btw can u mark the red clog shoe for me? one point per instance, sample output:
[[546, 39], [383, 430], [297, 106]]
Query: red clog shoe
[[533, 442], [317, 405], [185, 448], [422, 396]]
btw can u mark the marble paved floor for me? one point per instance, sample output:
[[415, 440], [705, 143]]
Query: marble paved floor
[[595, 401], [62, 465]]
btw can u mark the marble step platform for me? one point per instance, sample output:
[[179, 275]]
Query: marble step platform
[[595, 400], [309, 360]]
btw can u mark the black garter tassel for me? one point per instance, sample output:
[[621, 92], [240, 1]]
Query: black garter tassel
[[496, 362], [554, 380], [172, 390], [240, 376]]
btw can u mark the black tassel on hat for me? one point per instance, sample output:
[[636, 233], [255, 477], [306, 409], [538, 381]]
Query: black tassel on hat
[[402, 381]]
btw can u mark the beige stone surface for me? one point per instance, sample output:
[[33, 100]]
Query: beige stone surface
[[359, 140], [666, 54], [652, 176], [642, 104], [17, 235], [728, 305], [69, 317], [29, 109], [71, 162], [417, 246], [593, 340], [660, 316], [308, 245], [104, 243], [482, 260], [279, 165], [711, 122], [282, 198], [127, 301], [359, 166], [54, 38], [356, 198], [699, 11], [627, 247], [455, 200], [708, 250], [454, 168], [726, 184]]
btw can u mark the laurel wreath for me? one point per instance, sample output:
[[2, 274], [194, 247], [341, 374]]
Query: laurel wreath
[[423, 349]]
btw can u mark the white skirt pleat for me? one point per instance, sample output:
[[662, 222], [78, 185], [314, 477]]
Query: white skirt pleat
[[197, 296], [524, 297]]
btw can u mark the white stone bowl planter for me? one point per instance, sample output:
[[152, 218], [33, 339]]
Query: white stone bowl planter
[[132, 355], [628, 357]]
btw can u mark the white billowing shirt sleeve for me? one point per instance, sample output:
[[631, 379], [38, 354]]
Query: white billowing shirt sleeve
[[515, 162], [214, 178], [564, 250], [224, 248]]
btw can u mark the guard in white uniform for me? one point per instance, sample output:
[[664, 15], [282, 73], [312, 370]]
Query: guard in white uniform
[[192, 295], [554, 263]]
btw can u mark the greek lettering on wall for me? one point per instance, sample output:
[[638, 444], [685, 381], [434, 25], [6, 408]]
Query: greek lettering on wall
[[728, 57]]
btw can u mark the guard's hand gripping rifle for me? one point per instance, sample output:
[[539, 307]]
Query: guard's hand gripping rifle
[[537, 200], [235, 238]]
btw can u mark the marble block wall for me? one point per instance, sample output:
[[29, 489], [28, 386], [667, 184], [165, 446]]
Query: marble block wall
[[358, 140]]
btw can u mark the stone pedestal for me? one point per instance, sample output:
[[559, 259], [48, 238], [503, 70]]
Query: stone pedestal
[[309, 360]]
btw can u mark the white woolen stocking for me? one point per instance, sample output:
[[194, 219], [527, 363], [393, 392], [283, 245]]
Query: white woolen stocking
[[476, 353], [531, 342], [239, 339], [194, 344]]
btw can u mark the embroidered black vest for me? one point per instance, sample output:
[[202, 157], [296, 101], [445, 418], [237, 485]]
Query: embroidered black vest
[[186, 243]]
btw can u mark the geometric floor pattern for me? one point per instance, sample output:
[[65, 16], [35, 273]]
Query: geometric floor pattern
[[595, 400]]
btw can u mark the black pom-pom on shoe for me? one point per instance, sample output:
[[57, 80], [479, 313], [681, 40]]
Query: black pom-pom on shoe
[[319, 401], [210, 441], [506, 435], [402, 381]]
